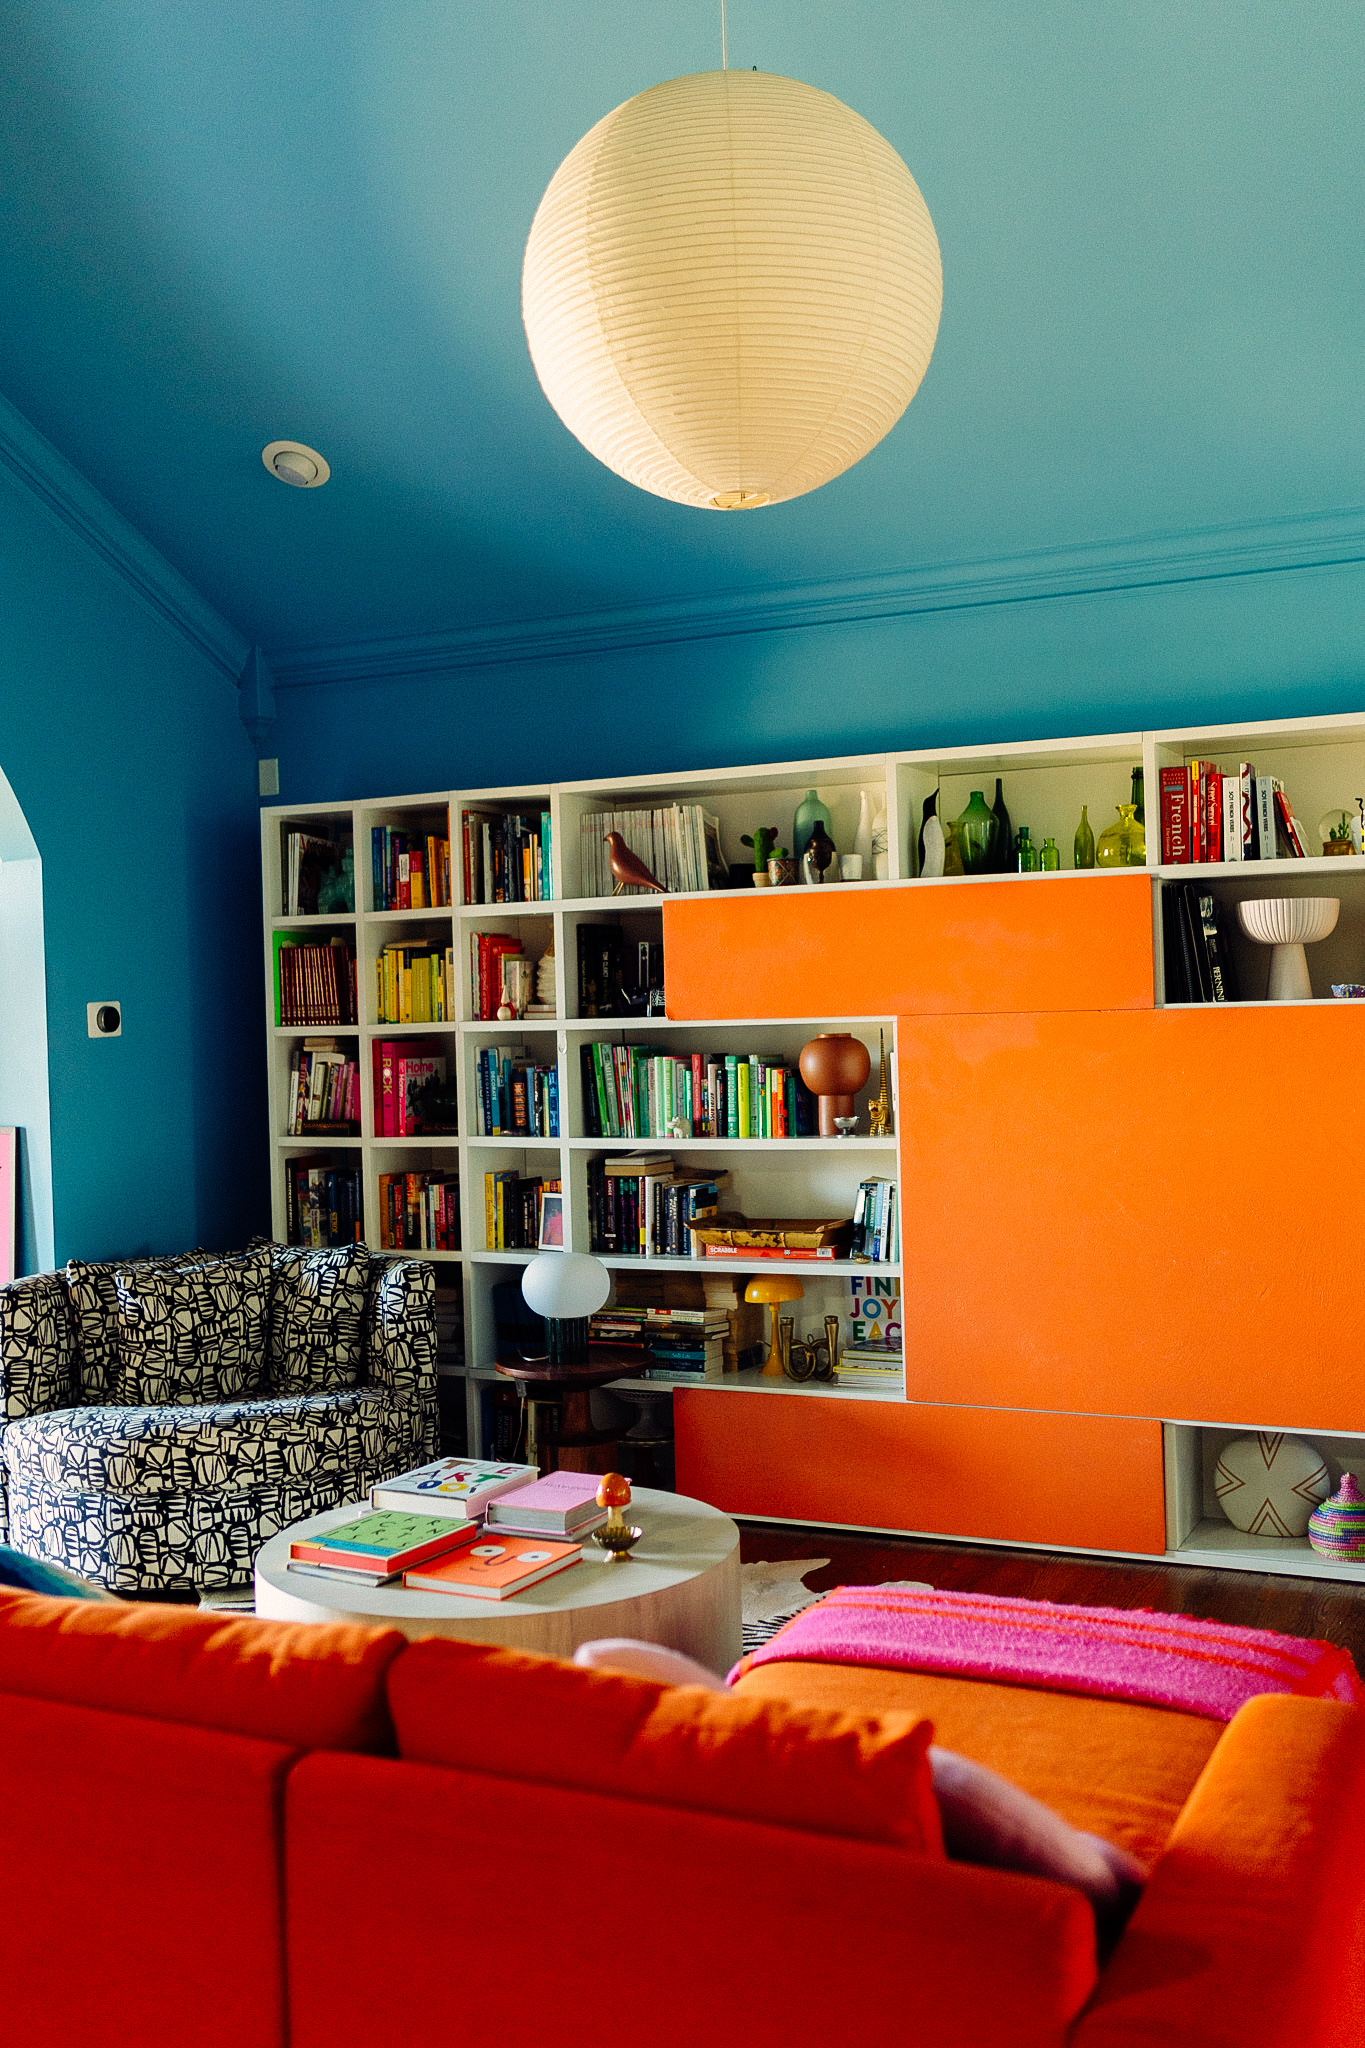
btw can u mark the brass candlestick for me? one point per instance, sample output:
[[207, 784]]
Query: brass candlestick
[[879, 1109]]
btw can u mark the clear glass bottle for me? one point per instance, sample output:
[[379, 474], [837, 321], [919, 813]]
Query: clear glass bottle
[[1051, 859]]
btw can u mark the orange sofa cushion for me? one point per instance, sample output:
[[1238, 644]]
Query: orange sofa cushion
[[522, 1912], [1113, 1768], [294, 1682], [143, 1882], [1252, 1928], [535, 1718]]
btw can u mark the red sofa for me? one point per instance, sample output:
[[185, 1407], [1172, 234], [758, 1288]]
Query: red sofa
[[242, 1834]]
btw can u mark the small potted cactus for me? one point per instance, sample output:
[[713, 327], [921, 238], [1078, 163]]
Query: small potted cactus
[[762, 841]]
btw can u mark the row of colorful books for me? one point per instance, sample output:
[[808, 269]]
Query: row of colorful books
[[1198, 958], [1209, 815], [415, 984], [507, 858], [322, 1204], [314, 982], [486, 951], [314, 864], [643, 1091], [874, 1221], [678, 1345], [324, 1088], [515, 1097], [679, 844], [514, 1210], [409, 870], [648, 1205], [419, 1212], [470, 1527], [403, 1069]]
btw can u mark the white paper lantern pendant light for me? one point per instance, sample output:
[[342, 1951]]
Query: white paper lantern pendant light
[[731, 290]]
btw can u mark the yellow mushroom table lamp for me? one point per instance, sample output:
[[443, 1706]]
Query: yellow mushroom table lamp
[[772, 1290]]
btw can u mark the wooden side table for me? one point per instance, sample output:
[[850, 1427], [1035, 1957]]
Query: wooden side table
[[575, 1446]]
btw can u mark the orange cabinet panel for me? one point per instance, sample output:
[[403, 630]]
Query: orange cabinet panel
[[1082, 943], [1093, 1482], [1137, 1213]]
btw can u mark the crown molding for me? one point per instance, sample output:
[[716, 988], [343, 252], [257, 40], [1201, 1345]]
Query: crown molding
[[1199, 554], [67, 496]]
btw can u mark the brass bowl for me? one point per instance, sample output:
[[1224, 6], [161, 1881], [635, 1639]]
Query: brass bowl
[[618, 1541]]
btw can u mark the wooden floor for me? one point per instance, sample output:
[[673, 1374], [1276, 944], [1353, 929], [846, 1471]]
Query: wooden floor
[[1324, 1608]]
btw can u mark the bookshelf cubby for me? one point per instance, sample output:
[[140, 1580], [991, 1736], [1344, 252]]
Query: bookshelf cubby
[[1322, 762]]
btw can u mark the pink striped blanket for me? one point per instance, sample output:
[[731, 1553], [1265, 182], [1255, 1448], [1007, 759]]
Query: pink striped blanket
[[1161, 1660]]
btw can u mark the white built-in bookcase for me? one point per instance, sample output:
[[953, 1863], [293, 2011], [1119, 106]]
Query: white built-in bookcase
[[1321, 761]]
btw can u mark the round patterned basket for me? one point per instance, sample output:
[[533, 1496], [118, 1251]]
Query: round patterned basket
[[1337, 1528]]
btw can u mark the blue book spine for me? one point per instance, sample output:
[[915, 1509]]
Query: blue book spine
[[552, 1092], [377, 866]]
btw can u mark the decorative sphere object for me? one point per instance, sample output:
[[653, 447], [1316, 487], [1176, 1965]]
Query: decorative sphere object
[[731, 289], [834, 1066], [1337, 1528], [1269, 1485], [1288, 924]]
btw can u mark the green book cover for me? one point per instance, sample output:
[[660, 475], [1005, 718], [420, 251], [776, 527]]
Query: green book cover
[[387, 1532]]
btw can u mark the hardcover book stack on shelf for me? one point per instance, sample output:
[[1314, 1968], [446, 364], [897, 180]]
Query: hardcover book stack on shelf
[[405, 1070], [314, 865], [679, 844], [513, 1210], [1210, 815], [676, 1345], [870, 1365], [415, 984], [419, 1212], [643, 1091], [314, 981], [874, 1222], [648, 1206], [719, 1295], [409, 870], [507, 858], [514, 1097], [487, 951], [748, 1239], [324, 1091], [322, 1204], [1198, 958]]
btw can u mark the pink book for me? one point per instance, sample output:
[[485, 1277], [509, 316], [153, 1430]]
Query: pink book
[[560, 1502]]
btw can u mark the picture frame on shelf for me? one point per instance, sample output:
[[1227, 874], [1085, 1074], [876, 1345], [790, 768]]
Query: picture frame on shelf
[[551, 1223]]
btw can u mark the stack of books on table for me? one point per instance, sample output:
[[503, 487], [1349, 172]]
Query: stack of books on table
[[378, 1547], [870, 1365], [562, 1504], [461, 1488]]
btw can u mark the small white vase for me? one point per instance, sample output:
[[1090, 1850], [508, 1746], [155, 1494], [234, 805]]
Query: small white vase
[[934, 847], [862, 838]]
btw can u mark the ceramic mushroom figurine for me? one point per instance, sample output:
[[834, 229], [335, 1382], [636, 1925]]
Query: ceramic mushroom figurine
[[834, 1067], [616, 1534]]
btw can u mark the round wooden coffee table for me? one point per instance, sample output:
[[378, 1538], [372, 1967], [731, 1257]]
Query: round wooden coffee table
[[679, 1586]]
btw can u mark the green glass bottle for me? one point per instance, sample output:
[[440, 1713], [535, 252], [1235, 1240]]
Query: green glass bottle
[[1052, 860], [1025, 853], [976, 830], [1084, 848], [1138, 812]]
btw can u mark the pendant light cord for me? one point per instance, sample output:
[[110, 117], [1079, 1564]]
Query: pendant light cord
[[724, 58]]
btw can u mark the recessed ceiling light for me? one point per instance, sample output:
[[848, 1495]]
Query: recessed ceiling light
[[294, 464]]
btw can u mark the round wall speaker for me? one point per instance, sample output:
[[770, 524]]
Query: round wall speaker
[[1269, 1485]]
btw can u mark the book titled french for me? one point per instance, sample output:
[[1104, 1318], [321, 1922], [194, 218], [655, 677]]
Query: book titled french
[[461, 1488], [560, 1504]]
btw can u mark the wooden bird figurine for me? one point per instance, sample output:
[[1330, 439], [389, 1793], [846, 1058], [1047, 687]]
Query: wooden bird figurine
[[627, 868]]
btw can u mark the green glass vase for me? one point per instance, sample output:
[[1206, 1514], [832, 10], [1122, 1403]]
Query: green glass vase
[[1123, 844], [810, 812], [1083, 849], [976, 830], [1052, 860], [1025, 852]]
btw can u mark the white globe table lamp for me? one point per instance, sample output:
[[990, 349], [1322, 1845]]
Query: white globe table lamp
[[731, 289], [567, 1289]]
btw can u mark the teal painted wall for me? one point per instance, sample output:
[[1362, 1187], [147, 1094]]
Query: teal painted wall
[[123, 748], [1280, 645]]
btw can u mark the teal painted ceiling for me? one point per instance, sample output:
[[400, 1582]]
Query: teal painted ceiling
[[224, 223]]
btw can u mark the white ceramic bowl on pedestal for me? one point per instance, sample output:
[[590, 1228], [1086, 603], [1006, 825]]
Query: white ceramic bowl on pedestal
[[1287, 924]]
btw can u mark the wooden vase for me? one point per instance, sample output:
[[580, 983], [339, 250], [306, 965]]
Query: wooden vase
[[834, 1067]]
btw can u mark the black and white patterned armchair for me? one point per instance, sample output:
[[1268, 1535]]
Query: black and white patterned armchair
[[161, 1418]]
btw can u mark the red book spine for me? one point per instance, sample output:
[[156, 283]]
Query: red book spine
[[698, 1091], [1213, 807], [1290, 829], [1175, 816]]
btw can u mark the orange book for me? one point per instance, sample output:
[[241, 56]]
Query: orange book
[[494, 1569]]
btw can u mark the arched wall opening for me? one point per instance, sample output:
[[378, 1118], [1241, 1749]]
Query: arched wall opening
[[23, 1032]]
